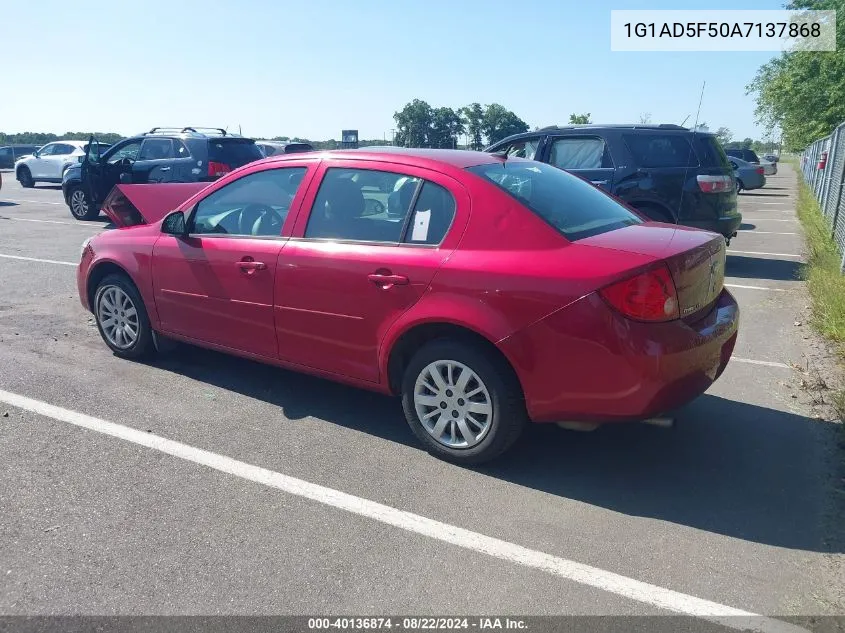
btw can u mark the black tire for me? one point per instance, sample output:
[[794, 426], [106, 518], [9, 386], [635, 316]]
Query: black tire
[[143, 344], [739, 185], [508, 416], [25, 178], [79, 203]]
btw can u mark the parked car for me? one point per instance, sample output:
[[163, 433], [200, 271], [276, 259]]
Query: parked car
[[748, 155], [769, 168], [11, 153], [162, 155], [748, 176], [666, 172], [772, 158], [272, 148], [505, 290], [49, 163]]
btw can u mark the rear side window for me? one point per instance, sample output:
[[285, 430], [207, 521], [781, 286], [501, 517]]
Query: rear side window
[[580, 153], [571, 205], [661, 150], [710, 151], [233, 152], [750, 156]]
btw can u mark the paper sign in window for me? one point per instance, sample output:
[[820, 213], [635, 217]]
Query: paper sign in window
[[420, 230]]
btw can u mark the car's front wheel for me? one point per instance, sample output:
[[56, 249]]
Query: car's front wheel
[[462, 401], [80, 204], [25, 177], [122, 318]]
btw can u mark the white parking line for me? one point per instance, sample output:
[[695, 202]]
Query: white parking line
[[754, 287], [33, 202], [774, 219], [762, 253], [570, 570], [767, 363], [755, 231], [36, 259], [79, 224]]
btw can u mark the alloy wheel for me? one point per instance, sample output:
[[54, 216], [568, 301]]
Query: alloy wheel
[[118, 317]]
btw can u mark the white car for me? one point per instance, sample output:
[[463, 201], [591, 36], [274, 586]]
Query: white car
[[769, 168], [49, 163]]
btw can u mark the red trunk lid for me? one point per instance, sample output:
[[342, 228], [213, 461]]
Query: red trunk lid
[[130, 205], [695, 258]]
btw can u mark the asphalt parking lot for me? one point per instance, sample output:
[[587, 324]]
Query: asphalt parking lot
[[735, 506]]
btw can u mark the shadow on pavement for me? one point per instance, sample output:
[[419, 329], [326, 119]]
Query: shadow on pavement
[[760, 268], [6, 203], [731, 468], [765, 195], [747, 227]]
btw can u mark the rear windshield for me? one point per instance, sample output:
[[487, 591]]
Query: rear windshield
[[233, 152], [750, 156], [661, 150], [571, 205], [710, 151]]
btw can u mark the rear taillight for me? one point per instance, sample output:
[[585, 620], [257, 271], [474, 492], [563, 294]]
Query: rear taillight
[[215, 170], [760, 171], [715, 184], [650, 296]]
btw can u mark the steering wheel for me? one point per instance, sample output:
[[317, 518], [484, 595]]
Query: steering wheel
[[259, 219]]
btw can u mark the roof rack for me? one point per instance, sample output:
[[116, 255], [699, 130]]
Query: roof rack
[[182, 130]]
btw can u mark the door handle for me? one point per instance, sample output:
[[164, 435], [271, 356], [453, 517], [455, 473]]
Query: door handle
[[386, 280], [164, 169], [599, 182], [249, 266]]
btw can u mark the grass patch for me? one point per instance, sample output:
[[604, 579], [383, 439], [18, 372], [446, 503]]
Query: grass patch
[[825, 281]]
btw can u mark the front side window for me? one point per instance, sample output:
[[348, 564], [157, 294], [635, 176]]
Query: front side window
[[255, 205], [661, 150], [156, 149], [125, 152], [580, 153], [572, 206], [47, 150]]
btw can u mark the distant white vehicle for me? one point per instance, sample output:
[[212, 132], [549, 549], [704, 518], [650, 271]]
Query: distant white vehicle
[[49, 163]]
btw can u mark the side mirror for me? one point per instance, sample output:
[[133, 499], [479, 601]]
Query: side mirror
[[125, 178], [174, 224], [36, 153]]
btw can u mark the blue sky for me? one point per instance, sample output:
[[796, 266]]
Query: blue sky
[[313, 67]]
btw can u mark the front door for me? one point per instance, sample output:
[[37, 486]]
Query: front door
[[355, 264], [103, 173], [582, 155], [217, 284], [163, 160], [39, 166]]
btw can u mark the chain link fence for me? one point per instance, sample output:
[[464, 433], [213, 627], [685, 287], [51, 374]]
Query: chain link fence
[[823, 167]]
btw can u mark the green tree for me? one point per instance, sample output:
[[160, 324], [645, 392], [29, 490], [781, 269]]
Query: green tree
[[473, 116], [802, 93], [724, 135], [747, 143], [579, 118], [499, 122], [446, 125], [413, 124]]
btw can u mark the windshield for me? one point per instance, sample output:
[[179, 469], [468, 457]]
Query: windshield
[[571, 205]]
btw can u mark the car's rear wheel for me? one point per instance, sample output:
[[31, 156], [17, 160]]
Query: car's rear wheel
[[122, 318], [462, 401], [25, 177], [739, 185], [80, 204]]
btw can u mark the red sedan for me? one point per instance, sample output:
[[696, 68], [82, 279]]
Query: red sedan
[[485, 291]]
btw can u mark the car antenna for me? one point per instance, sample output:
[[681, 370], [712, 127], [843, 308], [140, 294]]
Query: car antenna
[[692, 146], [685, 120]]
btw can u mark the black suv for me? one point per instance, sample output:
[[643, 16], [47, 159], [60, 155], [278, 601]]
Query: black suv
[[10, 153], [748, 155], [667, 172], [162, 155]]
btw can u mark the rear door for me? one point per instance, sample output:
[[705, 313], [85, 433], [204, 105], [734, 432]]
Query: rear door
[[352, 268], [216, 284], [59, 157], [584, 155]]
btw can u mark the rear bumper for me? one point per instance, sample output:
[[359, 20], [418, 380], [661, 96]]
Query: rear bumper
[[588, 363], [727, 225]]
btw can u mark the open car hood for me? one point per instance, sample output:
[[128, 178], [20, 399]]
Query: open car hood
[[131, 205]]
